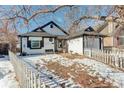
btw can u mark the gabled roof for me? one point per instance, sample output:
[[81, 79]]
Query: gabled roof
[[51, 22], [80, 33], [89, 29], [100, 27], [40, 33], [105, 29]]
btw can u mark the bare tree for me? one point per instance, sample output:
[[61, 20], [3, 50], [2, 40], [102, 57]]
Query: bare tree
[[15, 14], [94, 13], [8, 36]]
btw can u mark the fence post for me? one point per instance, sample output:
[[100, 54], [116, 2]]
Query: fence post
[[114, 57], [30, 82], [122, 63], [34, 80], [90, 52], [121, 59], [119, 63], [29, 79], [38, 80], [109, 58], [102, 58], [100, 55], [105, 56], [26, 76]]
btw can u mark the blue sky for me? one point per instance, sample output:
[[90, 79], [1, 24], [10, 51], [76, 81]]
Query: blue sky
[[59, 16]]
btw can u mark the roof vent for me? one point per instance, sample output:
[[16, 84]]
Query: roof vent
[[38, 30], [51, 25]]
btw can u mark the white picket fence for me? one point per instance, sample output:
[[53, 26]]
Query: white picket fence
[[30, 76], [112, 58], [27, 76]]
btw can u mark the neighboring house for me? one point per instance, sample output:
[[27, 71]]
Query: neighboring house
[[86, 40], [47, 38], [115, 34]]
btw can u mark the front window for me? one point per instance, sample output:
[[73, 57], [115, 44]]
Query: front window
[[121, 40], [35, 44]]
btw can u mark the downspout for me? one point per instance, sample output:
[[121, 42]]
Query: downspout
[[83, 43], [102, 43], [21, 45], [55, 44]]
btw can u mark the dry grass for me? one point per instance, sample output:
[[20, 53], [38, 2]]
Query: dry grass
[[78, 75], [71, 56]]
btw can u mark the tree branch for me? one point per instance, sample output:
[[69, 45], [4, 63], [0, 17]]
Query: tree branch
[[102, 18], [48, 11]]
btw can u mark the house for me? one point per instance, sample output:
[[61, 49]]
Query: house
[[115, 38], [47, 38], [52, 38], [82, 41]]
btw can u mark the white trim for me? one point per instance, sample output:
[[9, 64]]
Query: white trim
[[35, 38]]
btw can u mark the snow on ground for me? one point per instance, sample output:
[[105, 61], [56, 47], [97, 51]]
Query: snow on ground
[[7, 75], [49, 57], [96, 68], [114, 75]]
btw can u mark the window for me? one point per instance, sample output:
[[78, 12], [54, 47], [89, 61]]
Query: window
[[35, 44], [51, 39], [60, 43]]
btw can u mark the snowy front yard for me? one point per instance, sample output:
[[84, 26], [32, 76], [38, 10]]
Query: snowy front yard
[[84, 71], [7, 75]]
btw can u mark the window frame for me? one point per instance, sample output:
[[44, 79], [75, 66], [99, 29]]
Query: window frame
[[39, 42]]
